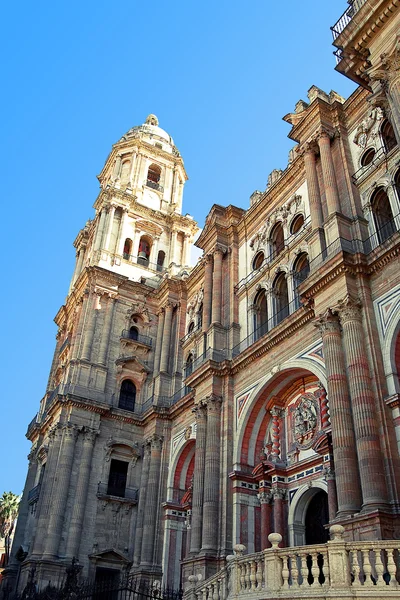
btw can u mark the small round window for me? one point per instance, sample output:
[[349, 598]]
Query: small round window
[[258, 260], [367, 157]]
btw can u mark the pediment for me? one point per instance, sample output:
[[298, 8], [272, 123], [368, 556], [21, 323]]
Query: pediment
[[110, 555]]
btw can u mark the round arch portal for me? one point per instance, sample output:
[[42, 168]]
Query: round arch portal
[[298, 518]]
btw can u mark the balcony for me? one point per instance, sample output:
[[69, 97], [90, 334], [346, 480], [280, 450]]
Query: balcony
[[122, 494], [337, 569], [346, 17], [191, 332], [143, 262], [33, 494], [140, 339], [154, 185]]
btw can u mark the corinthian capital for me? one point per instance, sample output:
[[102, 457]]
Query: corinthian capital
[[265, 497], [212, 403], [279, 493], [349, 309], [156, 441], [199, 411], [328, 322]]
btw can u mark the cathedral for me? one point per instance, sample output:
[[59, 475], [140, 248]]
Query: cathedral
[[244, 410]]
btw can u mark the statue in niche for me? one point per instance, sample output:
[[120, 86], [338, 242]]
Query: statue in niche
[[305, 421]]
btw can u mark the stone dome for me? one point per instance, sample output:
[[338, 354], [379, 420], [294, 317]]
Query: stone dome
[[149, 130]]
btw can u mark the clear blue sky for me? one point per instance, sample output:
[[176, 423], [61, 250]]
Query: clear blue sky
[[77, 75]]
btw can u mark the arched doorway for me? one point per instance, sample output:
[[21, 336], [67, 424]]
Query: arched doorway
[[317, 516]]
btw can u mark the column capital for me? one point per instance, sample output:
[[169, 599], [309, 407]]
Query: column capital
[[349, 309], [90, 435], [208, 258], [329, 473], [328, 322], [212, 403], [155, 441], [321, 134], [279, 493], [70, 431], [265, 497], [199, 411], [160, 311], [218, 249], [277, 411], [308, 148], [170, 305]]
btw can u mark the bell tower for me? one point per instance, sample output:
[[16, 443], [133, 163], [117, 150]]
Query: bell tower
[[138, 230]]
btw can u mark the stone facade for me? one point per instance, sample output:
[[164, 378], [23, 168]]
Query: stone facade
[[193, 410]]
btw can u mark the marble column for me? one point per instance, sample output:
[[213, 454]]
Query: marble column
[[343, 436], [152, 502], [177, 251], [166, 339], [265, 499], [276, 414], [370, 460], [314, 194], [79, 505], [186, 250], [60, 491], [211, 476], [207, 300], [332, 494], [105, 333], [323, 405], [279, 495], [142, 503], [198, 478], [217, 287], [159, 341], [154, 253], [328, 173], [78, 325], [90, 328], [117, 167], [100, 229], [45, 498], [110, 226]]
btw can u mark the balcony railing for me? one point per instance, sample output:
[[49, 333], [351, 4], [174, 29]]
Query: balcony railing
[[128, 493], [364, 171], [335, 569], [33, 494], [346, 18], [154, 185], [190, 333], [139, 260], [142, 339]]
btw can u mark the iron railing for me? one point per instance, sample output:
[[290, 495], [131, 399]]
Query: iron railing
[[154, 185], [191, 332], [363, 171], [33, 494], [139, 260], [136, 337], [129, 493], [346, 18]]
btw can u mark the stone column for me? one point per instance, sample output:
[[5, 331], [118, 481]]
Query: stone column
[[122, 236], [79, 505], [211, 476], [90, 329], [314, 194], [343, 437], [154, 253], [110, 226], [276, 414], [198, 478], [186, 250], [175, 257], [159, 340], [100, 229], [60, 491], [217, 287], [370, 460], [266, 512], [279, 495], [207, 300], [105, 333], [166, 339], [328, 173], [323, 405], [150, 514], [78, 325], [332, 494], [117, 167], [142, 503], [394, 204], [42, 512]]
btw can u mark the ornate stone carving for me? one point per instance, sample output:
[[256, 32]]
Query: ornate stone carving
[[366, 127], [212, 403], [279, 493], [349, 309], [265, 497], [328, 322], [305, 421]]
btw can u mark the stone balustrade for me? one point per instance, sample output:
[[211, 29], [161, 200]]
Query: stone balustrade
[[338, 568]]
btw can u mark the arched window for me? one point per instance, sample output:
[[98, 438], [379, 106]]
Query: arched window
[[382, 214], [127, 395], [144, 251], [154, 174], [200, 316], [277, 240], [397, 185], [296, 224], [368, 157], [301, 272], [260, 315], [191, 327], [127, 249], [258, 260], [388, 137], [281, 298], [160, 260], [133, 333], [189, 365]]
